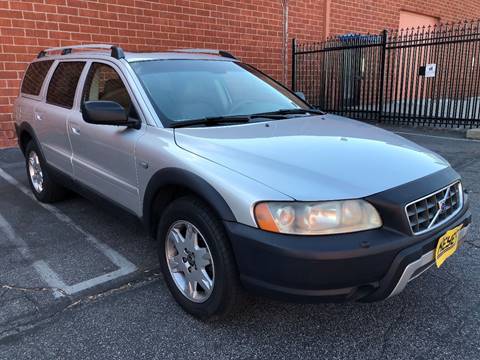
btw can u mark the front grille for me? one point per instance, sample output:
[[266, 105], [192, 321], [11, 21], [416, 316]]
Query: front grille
[[435, 209]]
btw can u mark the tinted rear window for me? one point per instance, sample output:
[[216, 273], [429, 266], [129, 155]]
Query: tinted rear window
[[34, 76], [61, 90]]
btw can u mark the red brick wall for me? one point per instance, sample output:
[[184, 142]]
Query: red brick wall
[[251, 29], [374, 15]]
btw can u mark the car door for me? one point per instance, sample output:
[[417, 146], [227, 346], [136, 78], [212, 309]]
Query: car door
[[32, 91], [104, 155], [51, 116]]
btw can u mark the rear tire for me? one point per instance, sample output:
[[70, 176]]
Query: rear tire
[[210, 260], [44, 188]]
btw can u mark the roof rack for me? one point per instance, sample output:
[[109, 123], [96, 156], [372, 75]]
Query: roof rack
[[116, 51], [208, 51]]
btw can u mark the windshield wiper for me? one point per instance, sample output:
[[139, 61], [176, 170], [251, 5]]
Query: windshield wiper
[[214, 120], [281, 112]]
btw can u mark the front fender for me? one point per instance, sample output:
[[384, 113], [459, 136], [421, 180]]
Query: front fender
[[188, 180]]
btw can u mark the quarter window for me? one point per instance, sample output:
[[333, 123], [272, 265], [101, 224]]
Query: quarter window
[[62, 87], [34, 76], [104, 83]]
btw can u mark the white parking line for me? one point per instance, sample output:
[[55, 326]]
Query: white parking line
[[12, 165], [48, 275], [51, 278], [42, 268]]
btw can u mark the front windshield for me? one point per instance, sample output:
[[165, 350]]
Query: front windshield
[[183, 90]]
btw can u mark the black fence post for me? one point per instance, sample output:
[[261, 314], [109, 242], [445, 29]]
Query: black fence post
[[293, 64], [382, 74]]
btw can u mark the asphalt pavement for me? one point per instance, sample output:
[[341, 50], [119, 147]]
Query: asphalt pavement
[[80, 281]]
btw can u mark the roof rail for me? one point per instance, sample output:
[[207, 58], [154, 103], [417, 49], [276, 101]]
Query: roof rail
[[116, 51], [208, 51]]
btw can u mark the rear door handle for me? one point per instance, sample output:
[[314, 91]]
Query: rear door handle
[[38, 116], [75, 130]]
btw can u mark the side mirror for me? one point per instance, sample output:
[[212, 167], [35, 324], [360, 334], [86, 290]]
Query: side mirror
[[107, 113], [301, 95]]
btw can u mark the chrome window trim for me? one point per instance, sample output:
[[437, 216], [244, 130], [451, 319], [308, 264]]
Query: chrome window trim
[[452, 215]]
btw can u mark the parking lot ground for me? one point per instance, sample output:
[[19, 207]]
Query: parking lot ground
[[79, 281]]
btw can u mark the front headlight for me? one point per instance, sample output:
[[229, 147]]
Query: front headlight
[[317, 218]]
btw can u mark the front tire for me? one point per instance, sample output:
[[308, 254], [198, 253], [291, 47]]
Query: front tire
[[42, 185], [196, 259]]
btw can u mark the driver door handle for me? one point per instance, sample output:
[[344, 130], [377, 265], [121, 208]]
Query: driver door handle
[[75, 130]]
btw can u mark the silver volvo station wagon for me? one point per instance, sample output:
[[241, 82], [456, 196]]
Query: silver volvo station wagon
[[243, 184]]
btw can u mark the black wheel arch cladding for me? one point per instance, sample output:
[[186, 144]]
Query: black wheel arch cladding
[[25, 129], [176, 177]]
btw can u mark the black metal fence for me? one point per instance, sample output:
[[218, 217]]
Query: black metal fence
[[424, 76]]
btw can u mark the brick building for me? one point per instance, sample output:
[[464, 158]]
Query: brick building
[[257, 31]]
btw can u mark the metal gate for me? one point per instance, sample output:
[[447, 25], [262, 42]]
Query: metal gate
[[423, 76]]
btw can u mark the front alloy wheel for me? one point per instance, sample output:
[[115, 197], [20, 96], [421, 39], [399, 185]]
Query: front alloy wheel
[[189, 261], [196, 259]]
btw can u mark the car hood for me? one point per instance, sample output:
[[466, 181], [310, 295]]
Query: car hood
[[314, 157]]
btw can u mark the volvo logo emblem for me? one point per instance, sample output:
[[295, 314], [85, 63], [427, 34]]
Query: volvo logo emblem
[[442, 206]]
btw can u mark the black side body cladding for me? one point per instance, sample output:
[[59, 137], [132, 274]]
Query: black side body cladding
[[162, 178], [66, 180]]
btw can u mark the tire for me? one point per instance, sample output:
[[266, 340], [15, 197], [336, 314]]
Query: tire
[[226, 290], [46, 190]]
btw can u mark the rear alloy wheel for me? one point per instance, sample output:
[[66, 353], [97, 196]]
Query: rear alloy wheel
[[43, 187], [196, 259], [35, 171]]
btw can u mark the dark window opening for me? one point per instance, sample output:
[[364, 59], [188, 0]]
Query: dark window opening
[[63, 85], [34, 77]]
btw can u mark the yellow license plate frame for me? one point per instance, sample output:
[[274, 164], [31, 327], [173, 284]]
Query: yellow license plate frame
[[447, 245]]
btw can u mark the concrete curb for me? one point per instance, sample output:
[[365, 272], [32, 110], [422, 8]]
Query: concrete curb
[[473, 134]]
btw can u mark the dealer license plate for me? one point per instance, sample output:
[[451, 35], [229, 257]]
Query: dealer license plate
[[447, 245]]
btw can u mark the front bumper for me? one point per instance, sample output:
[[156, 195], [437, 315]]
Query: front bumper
[[367, 266]]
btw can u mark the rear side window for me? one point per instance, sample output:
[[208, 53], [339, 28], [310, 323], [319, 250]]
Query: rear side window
[[34, 76], [62, 87]]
